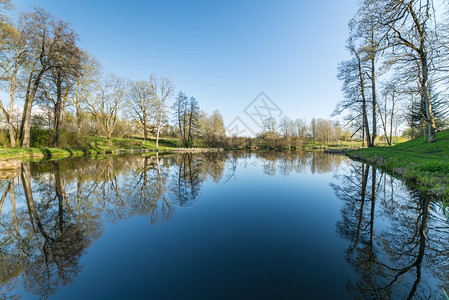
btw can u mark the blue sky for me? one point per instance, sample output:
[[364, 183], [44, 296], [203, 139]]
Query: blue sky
[[222, 52]]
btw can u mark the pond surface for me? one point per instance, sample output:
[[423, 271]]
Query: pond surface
[[219, 225]]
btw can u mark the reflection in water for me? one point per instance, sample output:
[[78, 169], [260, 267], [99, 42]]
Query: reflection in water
[[63, 206], [51, 212], [395, 238]]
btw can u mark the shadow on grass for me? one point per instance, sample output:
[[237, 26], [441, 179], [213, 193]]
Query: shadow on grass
[[46, 152]]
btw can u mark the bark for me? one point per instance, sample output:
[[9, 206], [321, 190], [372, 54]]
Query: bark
[[158, 130], [384, 120], [12, 132], [25, 128], [374, 100], [391, 118], [145, 132], [362, 89], [58, 108], [425, 92]]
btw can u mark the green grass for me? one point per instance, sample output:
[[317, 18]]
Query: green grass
[[94, 146], [426, 164]]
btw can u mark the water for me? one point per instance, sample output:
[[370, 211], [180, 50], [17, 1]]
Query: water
[[219, 225]]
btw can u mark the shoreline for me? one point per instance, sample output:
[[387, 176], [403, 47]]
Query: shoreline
[[433, 183]]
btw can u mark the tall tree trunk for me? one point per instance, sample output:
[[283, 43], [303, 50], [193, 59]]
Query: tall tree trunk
[[25, 127], [78, 123], [362, 90], [158, 130], [384, 125], [374, 100], [190, 127], [425, 93], [145, 132], [391, 117], [58, 108], [12, 132], [363, 133]]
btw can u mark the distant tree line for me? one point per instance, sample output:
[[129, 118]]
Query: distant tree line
[[398, 71], [294, 134], [66, 97]]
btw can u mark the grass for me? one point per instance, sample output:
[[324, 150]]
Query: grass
[[94, 146], [426, 164]]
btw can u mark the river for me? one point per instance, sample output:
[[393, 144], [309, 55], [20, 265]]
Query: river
[[227, 225]]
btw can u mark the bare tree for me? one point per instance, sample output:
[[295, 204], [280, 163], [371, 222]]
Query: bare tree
[[388, 112], [187, 113], [16, 44], [140, 104], [58, 84], [108, 101], [212, 128], [286, 126], [48, 34], [84, 87], [163, 89], [408, 28]]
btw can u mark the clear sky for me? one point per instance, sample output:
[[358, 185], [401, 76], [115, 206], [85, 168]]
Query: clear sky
[[222, 52]]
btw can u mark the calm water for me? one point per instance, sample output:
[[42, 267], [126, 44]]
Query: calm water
[[219, 225]]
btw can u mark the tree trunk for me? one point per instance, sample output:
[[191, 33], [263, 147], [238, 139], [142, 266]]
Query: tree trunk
[[363, 133], [391, 118], [374, 100], [12, 132], [145, 132], [365, 117], [25, 127], [58, 108], [158, 130], [425, 93]]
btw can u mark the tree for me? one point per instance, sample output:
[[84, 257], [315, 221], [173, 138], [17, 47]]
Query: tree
[[140, 102], [108, 101], [193, 112], [366, 30], [84, 87], [212, 128], [48, 35], [180, 107], [163, 89], [59, 82], [286, 126], [300, 129], [5, 5], [270, 125], [390, 110], [187, 113], [313, 129], [16, 44], [408, 28]]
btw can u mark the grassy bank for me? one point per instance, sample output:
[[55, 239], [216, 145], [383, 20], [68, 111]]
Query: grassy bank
[[426, 164], [92, 146]]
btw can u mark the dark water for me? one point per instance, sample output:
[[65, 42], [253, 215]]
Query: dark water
[[219, 225]]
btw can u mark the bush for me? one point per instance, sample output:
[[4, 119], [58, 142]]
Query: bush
[[4, 139], [40, 138]]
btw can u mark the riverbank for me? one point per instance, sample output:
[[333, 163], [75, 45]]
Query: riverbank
[[93, 146], [419, 162]]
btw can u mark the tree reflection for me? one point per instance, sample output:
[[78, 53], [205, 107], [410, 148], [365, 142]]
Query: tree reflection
[[297, 162], [393, 241], [62, 206], [191, 171]]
